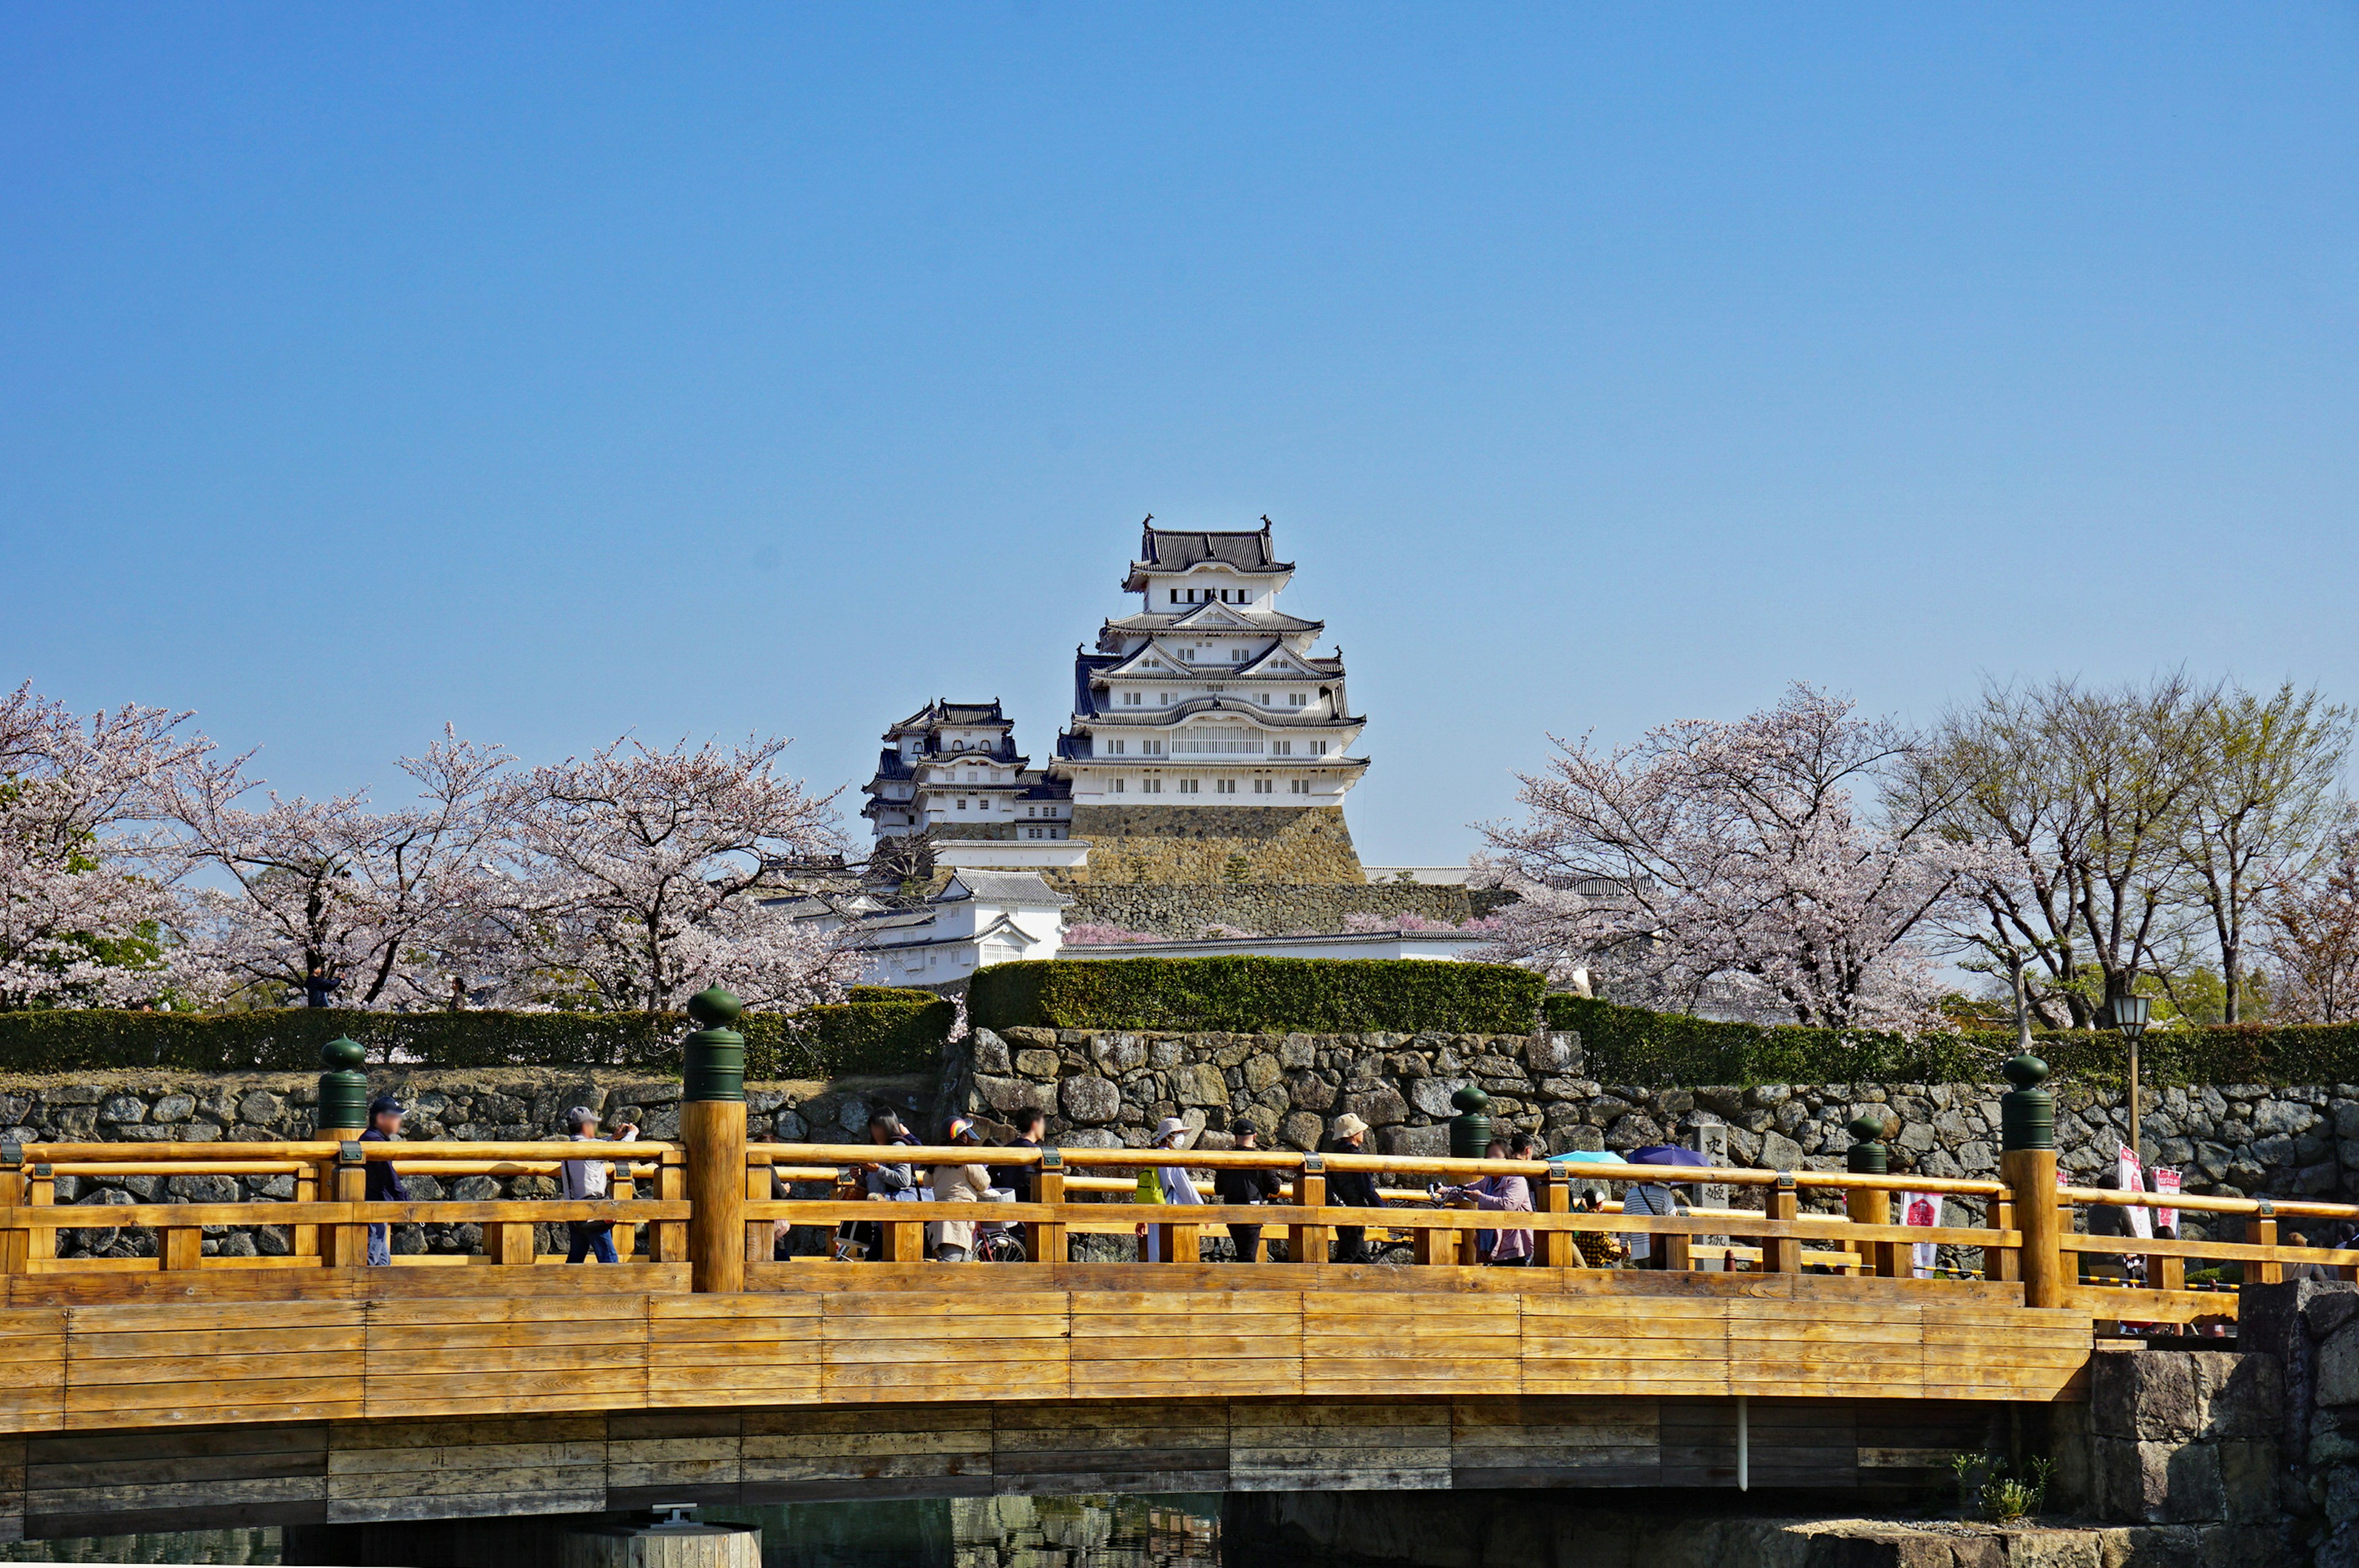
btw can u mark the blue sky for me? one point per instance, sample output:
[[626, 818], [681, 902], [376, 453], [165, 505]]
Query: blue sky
[[560, 371]]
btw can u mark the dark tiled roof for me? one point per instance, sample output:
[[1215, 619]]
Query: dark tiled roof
[[1172, 550], [940, 712]]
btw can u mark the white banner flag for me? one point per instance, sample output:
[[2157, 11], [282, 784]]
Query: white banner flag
[[2130, 1177], [1921, 1208], [2166, 1183]]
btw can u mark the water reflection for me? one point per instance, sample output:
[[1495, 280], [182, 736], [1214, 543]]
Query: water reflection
[[962, 1532], [989, 1532], [164, 1546]]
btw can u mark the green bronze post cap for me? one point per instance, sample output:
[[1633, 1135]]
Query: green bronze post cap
[[342, 1054], [714, 1008], [1470, 1100], [2026, 1072], [1865, 1129]]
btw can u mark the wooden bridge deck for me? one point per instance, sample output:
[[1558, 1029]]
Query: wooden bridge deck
[[200, 1390], [348, 1344]]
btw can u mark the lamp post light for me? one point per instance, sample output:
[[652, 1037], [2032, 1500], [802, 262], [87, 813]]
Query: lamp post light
[[2129, 1013]]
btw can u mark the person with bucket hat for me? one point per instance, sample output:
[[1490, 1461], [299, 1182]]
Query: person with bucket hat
[[954, 1239], [380, 1182], [1172, 1183], [1351, 1189]]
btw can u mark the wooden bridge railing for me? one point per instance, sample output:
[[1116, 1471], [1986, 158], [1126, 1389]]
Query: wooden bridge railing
[[1084, 1191]]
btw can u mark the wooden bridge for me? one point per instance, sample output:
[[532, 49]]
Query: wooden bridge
[[183, 1389]]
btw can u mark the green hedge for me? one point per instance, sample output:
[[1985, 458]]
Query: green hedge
[[903, 1035], [1631, 1045], [1249, 995]]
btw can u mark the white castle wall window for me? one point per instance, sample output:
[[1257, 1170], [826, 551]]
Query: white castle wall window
[[1187, 786], [1262, 787]]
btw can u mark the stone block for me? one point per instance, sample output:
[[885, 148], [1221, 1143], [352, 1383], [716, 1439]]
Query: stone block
[[1779, 1153], [1090, 1101], [1311, 1092], [2338, 1366], [2150, 1546], [988, 1053], [1553, 1053], [2241, 1395], [170, 1108], [1041, 1065], [1379, 1106], [1004, 1095], [1115, 1055], [1199, 1084], [1430, 1142], [2145, 1395], [122, 1107], [2158, 1483], [2248, 1479]]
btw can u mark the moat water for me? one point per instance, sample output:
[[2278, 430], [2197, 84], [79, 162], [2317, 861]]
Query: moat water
[[977, 1532]]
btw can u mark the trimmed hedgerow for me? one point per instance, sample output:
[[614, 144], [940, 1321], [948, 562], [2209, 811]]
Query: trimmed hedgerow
[[1253, 995], [896, 1034], [1661, 1050]]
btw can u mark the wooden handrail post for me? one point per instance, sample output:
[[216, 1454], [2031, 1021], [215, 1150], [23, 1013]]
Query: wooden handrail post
[[42, 1192], [626, 1234], [12, 1192], [1308, 1243], [669, 1237], [303, 1241], [1783, 1254], [1557, 1250], [1046, 1239], [1868, 1156], [2028, 1134], [759, 1246], [2003, 1263], [348, 1243], [712, 1125], [2261, 1230]]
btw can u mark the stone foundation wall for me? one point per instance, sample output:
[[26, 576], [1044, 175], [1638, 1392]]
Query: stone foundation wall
[[1214, 844], [489, 1106], [1103, 1088], [1265, 908]]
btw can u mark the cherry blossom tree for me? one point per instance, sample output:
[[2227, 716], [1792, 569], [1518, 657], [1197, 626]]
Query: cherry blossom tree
[[86, 873], [1742, 864], [338, 900], [2313, 933], [638, 878]]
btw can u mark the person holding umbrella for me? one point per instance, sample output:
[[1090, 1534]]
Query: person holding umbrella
[[1655, 1197]]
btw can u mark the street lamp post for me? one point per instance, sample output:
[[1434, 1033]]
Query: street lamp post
[[2130, 1018]]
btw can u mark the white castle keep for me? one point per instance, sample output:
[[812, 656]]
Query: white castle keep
[[1209, 695]]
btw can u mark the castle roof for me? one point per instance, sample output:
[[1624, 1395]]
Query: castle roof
[[1171, 550], [1001, 887], [940, 712]]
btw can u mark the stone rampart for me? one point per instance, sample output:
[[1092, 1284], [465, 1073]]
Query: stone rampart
[[1265, 908], [1108, 1088], [1161, 845]]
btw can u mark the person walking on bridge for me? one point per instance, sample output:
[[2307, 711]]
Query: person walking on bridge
[[381, 1183], [587, 1181], [1351, 1189], [1177, 1186], [1234, 1186], [954, 1239]]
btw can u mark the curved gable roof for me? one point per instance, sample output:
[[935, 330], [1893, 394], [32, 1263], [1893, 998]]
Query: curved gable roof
[[1174, 550]]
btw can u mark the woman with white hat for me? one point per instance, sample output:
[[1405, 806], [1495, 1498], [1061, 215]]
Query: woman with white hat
[[1177, 1185]]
